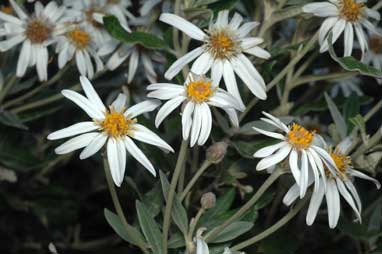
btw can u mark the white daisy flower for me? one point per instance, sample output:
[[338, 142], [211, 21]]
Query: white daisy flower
[[347, 86], [35, 32], [339, 184], [223, 51], [135, 54], [202, 247], [114, 126], [302, 147], [343, 16], [199, 94], [78, 43]]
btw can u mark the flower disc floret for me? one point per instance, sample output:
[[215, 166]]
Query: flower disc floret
[[299, 137], [342, 162], [222, 43], [351, 10], [116, 124], [38, 31], [200, 90], [79, 38]]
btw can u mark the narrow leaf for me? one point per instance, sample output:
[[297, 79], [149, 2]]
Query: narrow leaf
[[149, 228], [233, 231], [178, 214], [117, 225], [337, 117]]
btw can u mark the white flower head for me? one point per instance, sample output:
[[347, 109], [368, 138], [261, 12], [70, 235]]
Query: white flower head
[[77, 42], [374, 55], [198, 93], [224, 45], [304, 151], [114, 126], [337, 185], [344, 16], [35, 32]]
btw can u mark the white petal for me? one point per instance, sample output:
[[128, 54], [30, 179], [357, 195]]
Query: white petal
[[274, 159], [178, 65], [167, 108], [83, 103], [222, 19], [119, 104], [134, 150], [202, 64], [201, 246], [268, 150], [259, 52], [196, 124], [133, 65], [91, 94], [11, 19], [187, 119], [76, 143], [185, 26], [361, 37], [114, 157], [361, 175], [372, 13], [167, 93], [206, 122], [230, 82], [233, 117], [269, 133], [313, 165], [322, 9], [337, 30], [277, 121], [314, 205], [354, 193], [72, 130], [235, 21], [246, 28], [24, 58], [348, 40], [145, 135], [291, 195], [141, 108], [11, 42], [326, 26], [304, 174], [250, 42], [333, 203], [293, 164], [217, 72], [349, 199], [94, 146]]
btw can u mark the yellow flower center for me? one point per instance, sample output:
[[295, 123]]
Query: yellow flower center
[[6, 9], [351, 10], [38, 31], [342, 162], [116, 124], [375, 43], [199, 90], [299, 137], [221, 44], [79, 38]]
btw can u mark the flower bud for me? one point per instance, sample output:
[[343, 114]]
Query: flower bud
[[217, 151], [208, 200]]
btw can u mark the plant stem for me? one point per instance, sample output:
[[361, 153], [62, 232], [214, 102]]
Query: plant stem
[[7, 87], [313, 78], [129, 229], [283, 221], [170, 197], [198, 173], [32, 92], [273, 177], [370, 143]]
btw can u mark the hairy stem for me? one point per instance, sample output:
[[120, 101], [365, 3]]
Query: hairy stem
[[198, 173], [273, 177], [117, 205], [171, 194], [283, 221]]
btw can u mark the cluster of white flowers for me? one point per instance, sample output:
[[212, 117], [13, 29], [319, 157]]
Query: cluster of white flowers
[[76, 31]]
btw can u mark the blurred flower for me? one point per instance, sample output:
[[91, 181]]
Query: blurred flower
[[341, 183], [302, 147], [78, 43], [374, 55], [35, 32], [199, 94], [222, 51], [115, 127], [347, 86], [346, 16]]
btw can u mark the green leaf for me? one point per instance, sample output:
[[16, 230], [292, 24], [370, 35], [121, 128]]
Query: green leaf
[[149, 228], [176, 241], [222, 5], [349, 63], [351, 109], [233, 231], [359, 122], [153, 200], [146, 40], [337, 117], [222, 205], [117, 225], [11, 120], [178, 213]]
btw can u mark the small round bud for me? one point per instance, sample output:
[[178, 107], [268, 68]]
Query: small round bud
[[216, 152], [208, 200]]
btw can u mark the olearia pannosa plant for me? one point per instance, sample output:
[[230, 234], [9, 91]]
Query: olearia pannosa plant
[[246, 115]]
